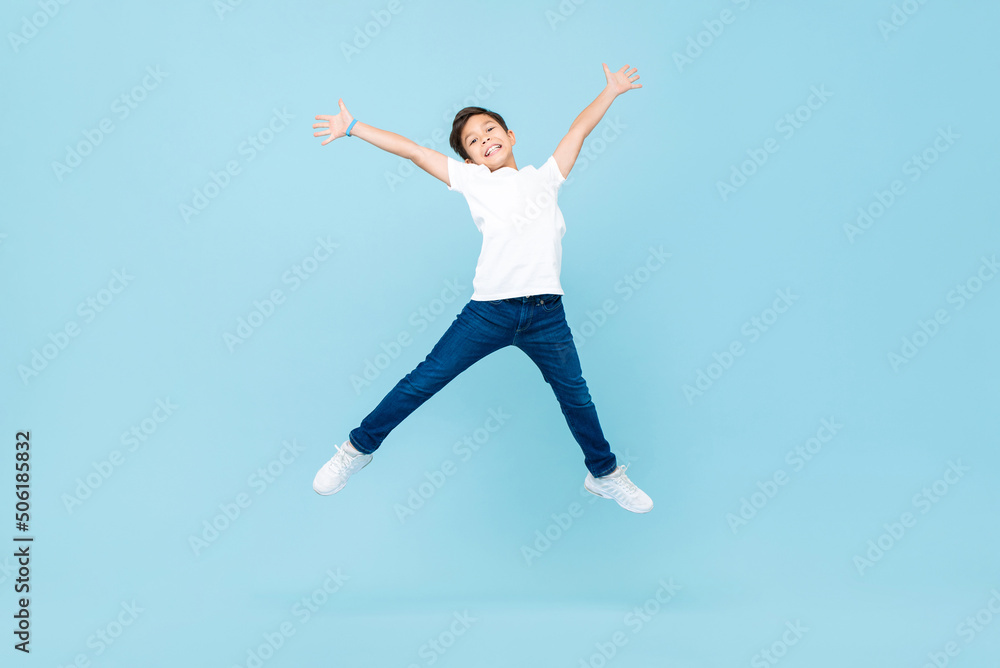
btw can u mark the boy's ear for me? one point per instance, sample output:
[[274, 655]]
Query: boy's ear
[[468, 161], [513, 140]]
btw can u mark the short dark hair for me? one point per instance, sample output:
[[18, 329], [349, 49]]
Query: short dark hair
[[459, 124]]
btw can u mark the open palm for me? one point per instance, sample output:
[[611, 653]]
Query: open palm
[[335, 125], [621, 81]]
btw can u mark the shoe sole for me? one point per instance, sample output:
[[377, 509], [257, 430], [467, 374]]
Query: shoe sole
[[605, 496], [342, 486]]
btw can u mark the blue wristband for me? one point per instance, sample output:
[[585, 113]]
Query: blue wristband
[[351, 126]]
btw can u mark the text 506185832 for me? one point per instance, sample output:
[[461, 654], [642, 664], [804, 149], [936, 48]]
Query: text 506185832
[[22, 544]]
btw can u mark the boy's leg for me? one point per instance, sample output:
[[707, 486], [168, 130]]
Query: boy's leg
[[477, 331], [548, 341]]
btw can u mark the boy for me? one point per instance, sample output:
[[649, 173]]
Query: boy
[[517, 297]]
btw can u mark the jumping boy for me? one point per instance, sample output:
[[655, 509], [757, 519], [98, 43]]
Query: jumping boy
[[517, 297]]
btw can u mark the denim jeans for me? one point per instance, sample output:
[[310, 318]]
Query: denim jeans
[[535, 324]]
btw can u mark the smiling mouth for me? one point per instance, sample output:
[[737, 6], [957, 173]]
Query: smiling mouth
[[492, 149]]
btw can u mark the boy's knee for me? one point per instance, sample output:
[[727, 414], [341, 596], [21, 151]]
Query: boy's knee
[[578, 404], [419, 387], [575, 396]]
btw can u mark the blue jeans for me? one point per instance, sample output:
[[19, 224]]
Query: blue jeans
[[535, 324]]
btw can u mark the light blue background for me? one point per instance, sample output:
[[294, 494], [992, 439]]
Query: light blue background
[[654, 185]]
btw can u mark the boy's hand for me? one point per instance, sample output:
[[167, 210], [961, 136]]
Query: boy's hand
[[335, 126], [569, 148], [621, 81]]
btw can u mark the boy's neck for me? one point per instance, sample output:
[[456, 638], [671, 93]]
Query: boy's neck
[[510, 163]]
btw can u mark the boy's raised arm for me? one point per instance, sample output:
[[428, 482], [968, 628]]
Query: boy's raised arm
[[429, 160], [569, 148]]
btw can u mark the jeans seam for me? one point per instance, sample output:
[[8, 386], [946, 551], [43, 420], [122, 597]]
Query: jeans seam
[[355, 446], [610, 470]]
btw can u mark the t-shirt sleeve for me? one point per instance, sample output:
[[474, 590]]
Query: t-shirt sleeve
[[457, 175], [551, 174]]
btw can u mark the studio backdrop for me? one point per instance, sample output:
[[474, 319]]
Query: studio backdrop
[[780, 269]]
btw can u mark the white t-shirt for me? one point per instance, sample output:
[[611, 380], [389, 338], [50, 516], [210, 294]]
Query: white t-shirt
[[522, 227]]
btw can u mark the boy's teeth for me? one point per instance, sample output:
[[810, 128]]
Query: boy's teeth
[[492, 149]]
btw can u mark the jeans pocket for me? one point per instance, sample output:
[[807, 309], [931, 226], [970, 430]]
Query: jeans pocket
[[552, 303]]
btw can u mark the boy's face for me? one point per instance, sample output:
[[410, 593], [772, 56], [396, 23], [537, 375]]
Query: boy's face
[[487, 143]]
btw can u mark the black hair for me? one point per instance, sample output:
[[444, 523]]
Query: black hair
[[459, 124]]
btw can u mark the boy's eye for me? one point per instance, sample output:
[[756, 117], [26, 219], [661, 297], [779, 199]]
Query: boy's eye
[[489, 129]]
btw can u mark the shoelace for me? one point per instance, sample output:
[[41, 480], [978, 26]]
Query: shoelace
[[339, 463], [624, 483]]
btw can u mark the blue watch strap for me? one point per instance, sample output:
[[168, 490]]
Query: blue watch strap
[[351, 126]]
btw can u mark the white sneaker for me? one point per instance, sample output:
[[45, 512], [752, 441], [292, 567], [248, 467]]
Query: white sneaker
[[333, 475], [617, 486]]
